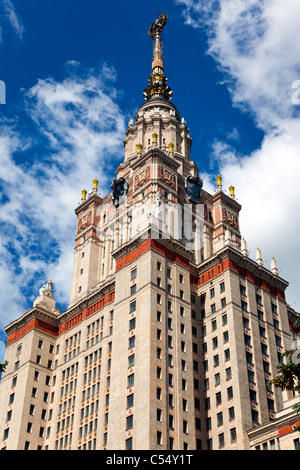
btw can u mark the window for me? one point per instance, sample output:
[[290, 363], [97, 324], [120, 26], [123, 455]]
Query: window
[[213, 325], [213, 308], [129, 422], [158, 266], [131, 360], [242, 289], [130, 400], [185, 426], [133, 289], [215, 342], [224, 319], [220, 419], [130, 380], [223, 302], [131, 324], [227, 354], [222, 287], [133, 274], [128, 444], [225, 336], [132, 306], [218, 398], [247, 340], [158, 414], [212, 292], [297, 443], [159, 438], [274, 308], [216, 360], [233, 434], [262, 331], [231, 413], [131, 342], [221, 440]]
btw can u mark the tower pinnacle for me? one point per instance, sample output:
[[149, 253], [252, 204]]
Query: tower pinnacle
[[157, 82]]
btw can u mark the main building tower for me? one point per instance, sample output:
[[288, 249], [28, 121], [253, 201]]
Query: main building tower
[[172, 332]]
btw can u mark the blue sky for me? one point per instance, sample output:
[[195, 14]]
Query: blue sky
[[75, 74]]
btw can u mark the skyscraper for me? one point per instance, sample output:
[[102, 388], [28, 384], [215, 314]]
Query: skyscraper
[[172, 331]]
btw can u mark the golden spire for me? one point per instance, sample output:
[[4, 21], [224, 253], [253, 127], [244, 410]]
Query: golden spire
[[157, 80]]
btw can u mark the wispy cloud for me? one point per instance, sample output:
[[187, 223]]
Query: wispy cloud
[[253, 44], [78, 129], [13, 19]]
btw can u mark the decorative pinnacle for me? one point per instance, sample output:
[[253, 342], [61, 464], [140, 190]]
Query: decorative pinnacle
[[157, 82]]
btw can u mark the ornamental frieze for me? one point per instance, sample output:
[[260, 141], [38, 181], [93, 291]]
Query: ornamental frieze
[[142, 177], [230, 218], [166, 176], [84, 221]]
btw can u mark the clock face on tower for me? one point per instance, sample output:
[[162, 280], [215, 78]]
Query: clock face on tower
[[193, 188]]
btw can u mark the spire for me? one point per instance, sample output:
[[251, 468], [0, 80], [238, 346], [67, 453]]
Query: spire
[[259, 259], [157, 82], [244, 248], [274, 267]]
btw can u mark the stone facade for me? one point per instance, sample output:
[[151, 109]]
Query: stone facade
[[167, 343]]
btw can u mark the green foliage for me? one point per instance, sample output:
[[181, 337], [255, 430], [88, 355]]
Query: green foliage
[[3, 366], [289, 374]]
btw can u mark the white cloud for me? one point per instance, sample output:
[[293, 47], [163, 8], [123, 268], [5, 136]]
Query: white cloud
[[82, 129], [255, 44], [13, 19]]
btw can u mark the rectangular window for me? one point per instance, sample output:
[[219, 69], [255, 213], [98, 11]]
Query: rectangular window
[[129, 422], [128, 444], [131, 342], [130, 400], [131, 324], [133, 289], [131, 360], [133, 274], [130, 380], [132, 306]]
